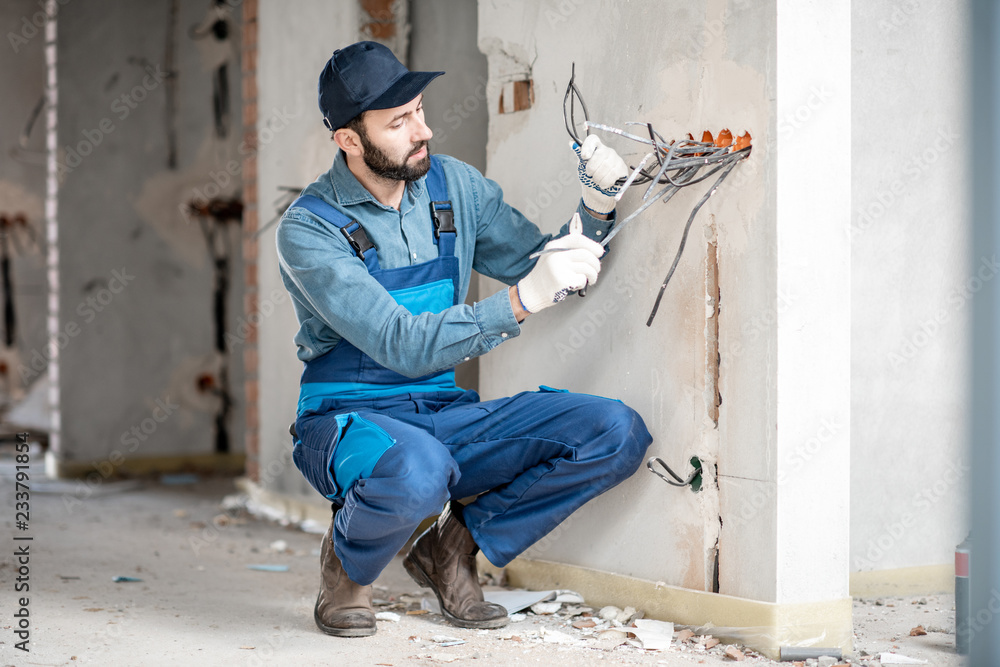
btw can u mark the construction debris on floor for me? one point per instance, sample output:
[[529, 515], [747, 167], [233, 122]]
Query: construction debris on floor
[[206, 579]]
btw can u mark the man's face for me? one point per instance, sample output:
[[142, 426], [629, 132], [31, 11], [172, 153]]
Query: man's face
[[395, 142]]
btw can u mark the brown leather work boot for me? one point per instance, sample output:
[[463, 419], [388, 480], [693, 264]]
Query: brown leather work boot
[[343, 608], [444, 560]]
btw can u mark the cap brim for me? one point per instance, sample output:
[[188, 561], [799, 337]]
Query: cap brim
[[405, 89]]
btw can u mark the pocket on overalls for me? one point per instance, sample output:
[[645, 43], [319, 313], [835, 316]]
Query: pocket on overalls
[[335, 451]]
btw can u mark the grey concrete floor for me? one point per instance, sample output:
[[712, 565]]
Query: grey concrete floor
[[198, 603]]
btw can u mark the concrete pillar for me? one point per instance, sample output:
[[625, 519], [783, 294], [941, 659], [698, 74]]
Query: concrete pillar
[[813, 260]]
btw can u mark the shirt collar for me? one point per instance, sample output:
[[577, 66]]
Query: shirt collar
[[349, 191]]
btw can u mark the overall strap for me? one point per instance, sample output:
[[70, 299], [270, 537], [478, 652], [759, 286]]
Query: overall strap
[[442, 214], [351, 229]]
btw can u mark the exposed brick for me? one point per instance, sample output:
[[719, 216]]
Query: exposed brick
[[380, 10], [250, 169], [250, 117], [253, 415], [251, 361], [250, 274], [249, 60], [251, 250], [249, 11], [251, 337], [377, 30], [250, 34], [249, 301], [249, 87], [251, 388], [250, 191], [252, 467], [250, 134], [250, 219]]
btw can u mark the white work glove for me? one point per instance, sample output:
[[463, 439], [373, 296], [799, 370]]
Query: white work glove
[[567, 264], [600, 168]]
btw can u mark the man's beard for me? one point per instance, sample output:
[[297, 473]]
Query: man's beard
[[382, 165]]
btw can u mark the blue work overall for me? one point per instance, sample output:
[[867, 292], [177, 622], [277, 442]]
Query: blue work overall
[[390, 450]]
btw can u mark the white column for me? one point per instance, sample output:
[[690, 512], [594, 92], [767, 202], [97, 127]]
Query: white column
[[813, 259]]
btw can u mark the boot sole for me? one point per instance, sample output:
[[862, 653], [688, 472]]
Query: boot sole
[[424, 581], [342, 632]]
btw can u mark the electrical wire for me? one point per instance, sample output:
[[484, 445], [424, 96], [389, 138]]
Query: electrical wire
[[678, 165]]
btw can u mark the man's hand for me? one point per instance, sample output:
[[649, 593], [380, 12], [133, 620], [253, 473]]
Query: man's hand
[[566, 265], [600, 168]]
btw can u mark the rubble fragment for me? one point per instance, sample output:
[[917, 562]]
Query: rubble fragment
[[734, 653], [628, 615], [557, 637], [654, 635], [609, 613], [546, 608]]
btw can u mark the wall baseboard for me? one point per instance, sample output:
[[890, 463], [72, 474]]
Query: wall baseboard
[[763, 626]]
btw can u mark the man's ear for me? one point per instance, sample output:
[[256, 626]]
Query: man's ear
[[348, 141]]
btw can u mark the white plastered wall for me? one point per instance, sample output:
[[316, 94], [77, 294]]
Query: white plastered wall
[[912, 283]]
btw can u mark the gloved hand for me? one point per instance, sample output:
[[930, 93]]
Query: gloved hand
[[567, 264], [600, 167]]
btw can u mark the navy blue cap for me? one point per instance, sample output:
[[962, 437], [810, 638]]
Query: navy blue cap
[[364, 76]]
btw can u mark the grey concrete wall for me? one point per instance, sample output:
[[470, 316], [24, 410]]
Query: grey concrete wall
[[22, 188], [686, 68], [135, 302], [911, 285]]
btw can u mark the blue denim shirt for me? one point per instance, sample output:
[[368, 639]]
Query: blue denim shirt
[[334, 296]]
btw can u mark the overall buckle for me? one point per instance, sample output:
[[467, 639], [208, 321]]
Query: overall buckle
[[358, 238], [443, 217]]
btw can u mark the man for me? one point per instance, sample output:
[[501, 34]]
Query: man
[[377, 255]]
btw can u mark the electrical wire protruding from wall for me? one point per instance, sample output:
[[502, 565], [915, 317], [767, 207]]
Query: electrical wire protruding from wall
[[678, 165]]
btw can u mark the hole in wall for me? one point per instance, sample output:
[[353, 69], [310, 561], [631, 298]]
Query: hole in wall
[[516, 96]]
